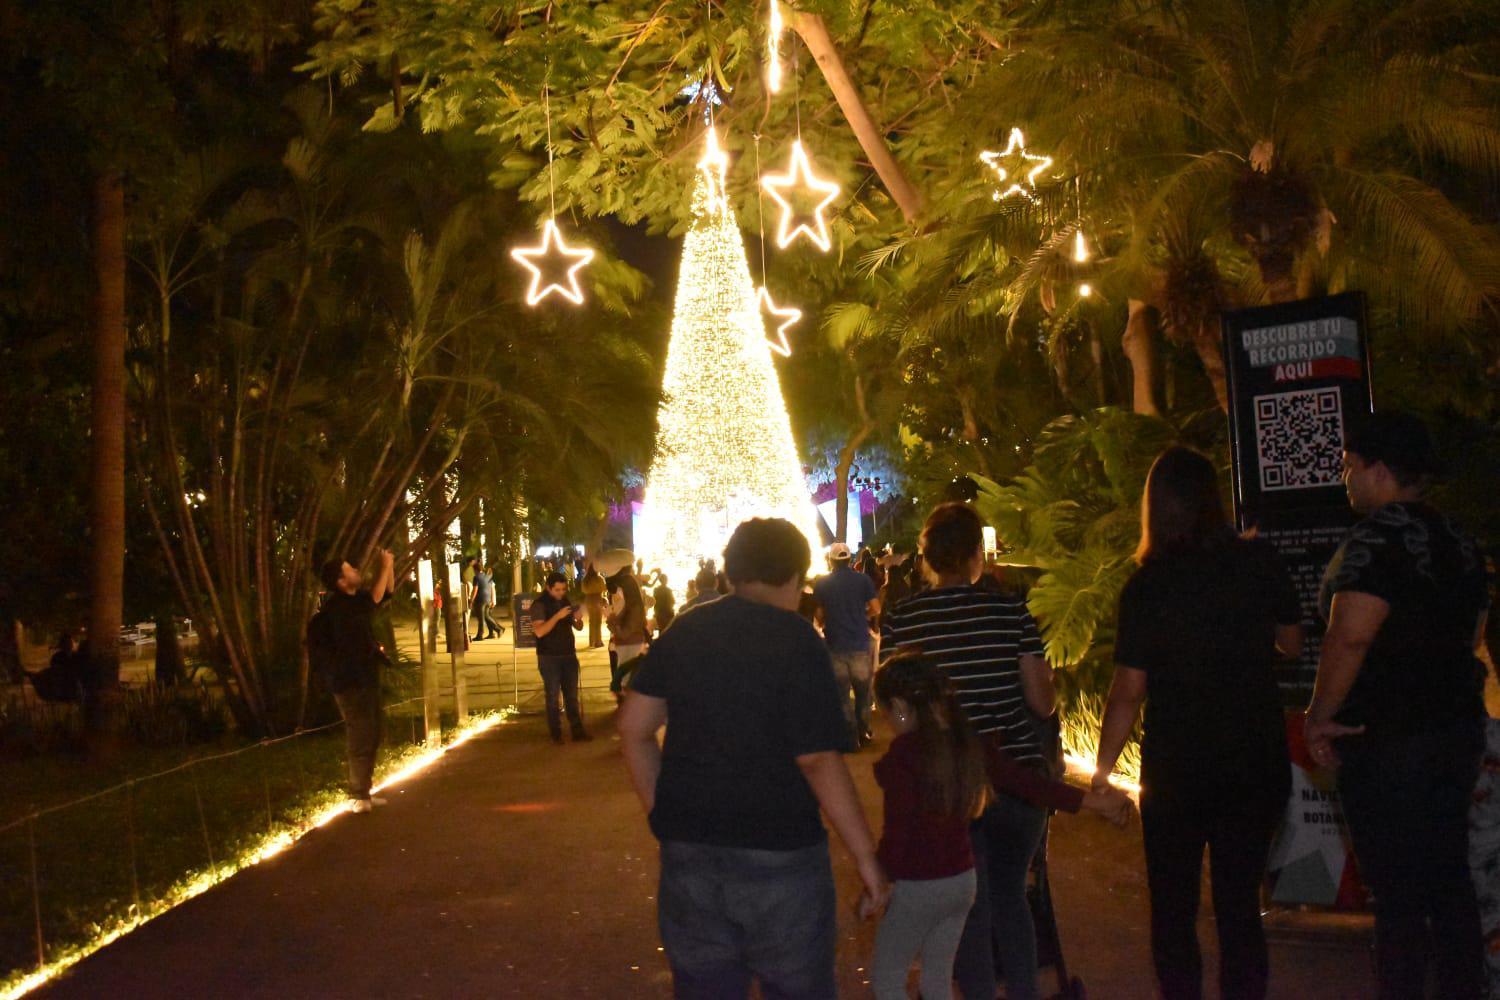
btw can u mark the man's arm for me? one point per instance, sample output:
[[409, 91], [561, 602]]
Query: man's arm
[[640, 718], [1289, 640], [828, 776], [541, 628], [387, 577], [1353, 622]]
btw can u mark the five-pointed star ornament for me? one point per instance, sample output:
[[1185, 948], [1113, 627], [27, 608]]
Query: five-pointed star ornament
[[789, 315], [1023, 185], [799, 174], [540, 258]]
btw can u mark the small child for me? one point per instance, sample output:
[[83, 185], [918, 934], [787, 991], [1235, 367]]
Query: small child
[[935, 783]]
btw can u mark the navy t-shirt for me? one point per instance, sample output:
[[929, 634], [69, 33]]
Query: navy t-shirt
[[845, 594], [1420, 672], [559, 641], [749, 688]]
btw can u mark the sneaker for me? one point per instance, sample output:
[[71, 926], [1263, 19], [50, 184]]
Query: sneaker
[[376, 800], [360, 806]]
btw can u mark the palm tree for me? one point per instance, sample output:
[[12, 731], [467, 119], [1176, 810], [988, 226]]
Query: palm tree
[[1231, 154]]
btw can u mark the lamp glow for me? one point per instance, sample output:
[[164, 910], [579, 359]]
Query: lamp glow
[[724, 446], [1023, 186], [551, 247], [714, 164], [1080, 247], [1085, 290], [789, 316], [800, 174]]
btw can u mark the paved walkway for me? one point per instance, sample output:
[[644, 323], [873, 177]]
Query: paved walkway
[[516, 868]]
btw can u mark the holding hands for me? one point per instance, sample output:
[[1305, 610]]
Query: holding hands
[[1107, 801]]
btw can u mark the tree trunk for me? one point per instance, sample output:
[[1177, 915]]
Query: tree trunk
[[1208, 341], [846, 461], [107, 444], [814, 34], [1139, 343]]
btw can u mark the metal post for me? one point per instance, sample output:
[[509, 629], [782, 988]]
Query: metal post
[[265, 783], [202, 817], [135, 875], [36, 894]]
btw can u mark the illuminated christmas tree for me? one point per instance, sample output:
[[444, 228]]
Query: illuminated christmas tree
[[724, 447]]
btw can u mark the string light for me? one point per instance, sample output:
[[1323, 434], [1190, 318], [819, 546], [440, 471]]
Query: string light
[[724, 446], [773, 49], [1085, 290], [800, 174], [1080, 247], [789, 316], [1022, 186], [552, 246], [715, 166]]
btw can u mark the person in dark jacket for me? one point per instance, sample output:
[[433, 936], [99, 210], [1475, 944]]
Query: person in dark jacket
[[342, 647]]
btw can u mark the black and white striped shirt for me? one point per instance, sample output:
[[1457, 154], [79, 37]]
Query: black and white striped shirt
[[978, 637]]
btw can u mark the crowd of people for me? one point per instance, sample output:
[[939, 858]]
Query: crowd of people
[[763, 683]]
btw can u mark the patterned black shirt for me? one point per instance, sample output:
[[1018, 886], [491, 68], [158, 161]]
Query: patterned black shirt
[[978, 637], [1421, 671]]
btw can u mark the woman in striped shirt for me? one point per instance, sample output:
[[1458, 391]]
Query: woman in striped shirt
[[989, 646]]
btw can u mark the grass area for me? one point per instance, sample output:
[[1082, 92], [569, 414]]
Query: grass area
[[132, 850]]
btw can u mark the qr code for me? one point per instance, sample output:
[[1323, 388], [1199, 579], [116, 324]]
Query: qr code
[[1299, 437]]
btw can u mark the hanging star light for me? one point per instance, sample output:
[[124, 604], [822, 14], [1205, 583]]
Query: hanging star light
[[773, 49], [552, 246], [1020, 185], [789, 316], [800, 174]]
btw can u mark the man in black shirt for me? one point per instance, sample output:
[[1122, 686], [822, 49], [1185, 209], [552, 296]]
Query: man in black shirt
[[342, 648], [556, 658], [755, 733], [1399, 688]]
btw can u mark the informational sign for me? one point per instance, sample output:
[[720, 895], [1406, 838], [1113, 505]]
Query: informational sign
[[520, 609], [1298, 373]]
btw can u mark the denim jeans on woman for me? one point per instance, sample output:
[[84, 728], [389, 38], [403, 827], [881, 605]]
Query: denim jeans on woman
[[1000, 929], [730, 915]]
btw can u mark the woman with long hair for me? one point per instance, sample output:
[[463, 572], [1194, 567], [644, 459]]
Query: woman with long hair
[[1201, 622], [627, 625]]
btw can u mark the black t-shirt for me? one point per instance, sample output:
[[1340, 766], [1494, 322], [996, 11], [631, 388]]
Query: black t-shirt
[[749, 689], [1421, 671], [344, 631], [558, 642], [1202, 625]]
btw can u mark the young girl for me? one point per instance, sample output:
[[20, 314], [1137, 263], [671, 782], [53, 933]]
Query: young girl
[[934, 782]]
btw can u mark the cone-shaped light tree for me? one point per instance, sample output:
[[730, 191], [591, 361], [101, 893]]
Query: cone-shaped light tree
[[724, 447]]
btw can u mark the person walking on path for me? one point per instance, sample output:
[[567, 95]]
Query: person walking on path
[[627, 627], [484, 604], [341, 647], [934, 782], [1397, 707], [989, 646], [848, 600], [753, 749], [1200, 625], [664, 601], [593, 599], [554, 619]]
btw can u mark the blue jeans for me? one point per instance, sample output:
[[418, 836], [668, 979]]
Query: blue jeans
[[730, 914], [1000, 928], [560, 677]]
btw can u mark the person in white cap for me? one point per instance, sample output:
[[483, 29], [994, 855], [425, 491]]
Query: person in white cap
[[848, 601]]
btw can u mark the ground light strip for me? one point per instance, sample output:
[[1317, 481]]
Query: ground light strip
[[269, 847]]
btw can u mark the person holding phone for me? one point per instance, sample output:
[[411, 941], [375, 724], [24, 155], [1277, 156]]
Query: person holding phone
[[556, 658]]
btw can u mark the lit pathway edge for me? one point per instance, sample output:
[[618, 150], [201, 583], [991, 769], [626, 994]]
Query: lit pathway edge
[[270, 846]]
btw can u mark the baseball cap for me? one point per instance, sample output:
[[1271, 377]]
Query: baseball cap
[[838, 550]]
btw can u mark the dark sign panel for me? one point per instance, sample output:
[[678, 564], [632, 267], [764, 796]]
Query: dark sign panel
[[1298, 373], [520, 609]]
